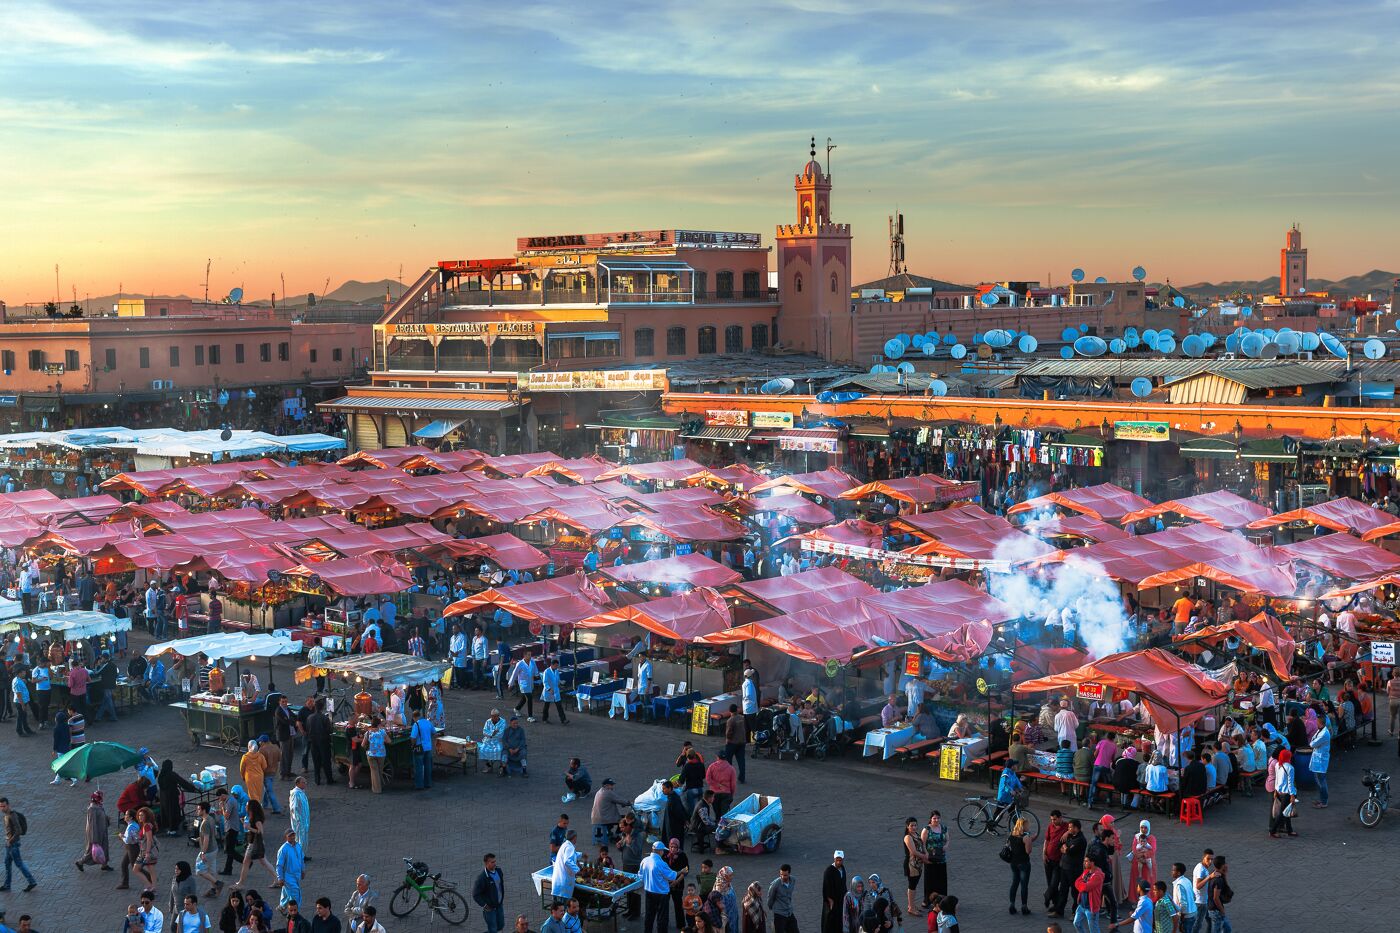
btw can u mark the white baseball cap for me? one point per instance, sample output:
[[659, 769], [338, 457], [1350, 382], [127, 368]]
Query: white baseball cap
[[838, 854]]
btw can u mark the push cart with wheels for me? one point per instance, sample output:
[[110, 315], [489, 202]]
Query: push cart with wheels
[[753, 827]]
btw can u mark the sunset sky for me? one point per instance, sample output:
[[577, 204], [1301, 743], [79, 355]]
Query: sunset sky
[[1021, 139]]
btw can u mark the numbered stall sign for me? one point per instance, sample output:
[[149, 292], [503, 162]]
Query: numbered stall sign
[[700, 719], [950, 763], [1383, 652]]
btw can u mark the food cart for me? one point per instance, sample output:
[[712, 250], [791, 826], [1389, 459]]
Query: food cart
[[602, 892], [76, 625], [226, 719], [353, 705], [753, 827]]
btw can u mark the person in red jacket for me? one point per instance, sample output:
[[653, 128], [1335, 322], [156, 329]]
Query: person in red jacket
[[1089, 900], [1050, 854]]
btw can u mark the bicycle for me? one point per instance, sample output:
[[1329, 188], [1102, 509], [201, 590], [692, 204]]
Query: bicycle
[[983, 814], [418, 886]]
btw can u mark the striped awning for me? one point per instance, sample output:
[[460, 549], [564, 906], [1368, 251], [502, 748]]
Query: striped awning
[[409, 403], [712, 432]]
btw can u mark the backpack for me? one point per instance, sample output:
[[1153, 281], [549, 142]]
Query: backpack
[[20, 822]]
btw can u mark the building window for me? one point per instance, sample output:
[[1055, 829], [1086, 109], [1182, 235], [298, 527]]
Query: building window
[[265, 352], [610, 347], [145, 357], [1083, 301], [751, 284], [284, 352], [214, 354], [238, 353], [797, 283], [724, 284], [759, 340], [705, 340], [675, 341], [7, 357], [833, 283], [700, 280], [644, 342], [199, 354], [734, 339], [337, 355], [36, 360], [313, 354], [174, 356], [70, 360], [109, 358]]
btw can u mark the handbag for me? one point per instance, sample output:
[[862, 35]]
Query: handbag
[[1005, 853], [1291, 810], [98, 854]]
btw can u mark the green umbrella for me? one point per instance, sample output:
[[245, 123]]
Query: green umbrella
[[95, 759]]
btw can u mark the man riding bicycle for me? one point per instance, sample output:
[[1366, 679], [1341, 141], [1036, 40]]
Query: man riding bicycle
[[1009, 789]]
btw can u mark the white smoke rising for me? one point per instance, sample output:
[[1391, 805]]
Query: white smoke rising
[[1079, 584]]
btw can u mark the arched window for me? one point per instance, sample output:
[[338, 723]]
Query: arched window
[[724, 284], [833, 283], [751, 289], [643, 342], [675, 341], [734, 339], [701, 281], [797, 283], [759, 340], [705, 340]]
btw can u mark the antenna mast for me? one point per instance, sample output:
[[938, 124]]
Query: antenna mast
[[897, 266], [829, 146], [208, 264], [57, 292]]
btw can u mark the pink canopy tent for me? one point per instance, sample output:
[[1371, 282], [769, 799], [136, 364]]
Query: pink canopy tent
[[517, 465], [1347, 515], [968, 531], [689, 524], [661, 471], [685, 617], [591, 518], [854, 531], [504, 550], [84, 510], [693, 569], [1344, 556], [444, 461], [1131, 560], [82, 540], [682, 496], [371, 575], [1220, 508], [737, 477], [796, 507], [941, 606], [246, 564], [1262, 570], [828, 484], [1075, 526], [1175, 693], [556, 601], [1263, 632], [835, 631], [800, 590], [1105, 502], [388, 457], [918, 491], [578, 470]]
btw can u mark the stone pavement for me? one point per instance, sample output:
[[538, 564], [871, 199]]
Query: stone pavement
[[1336, 875]]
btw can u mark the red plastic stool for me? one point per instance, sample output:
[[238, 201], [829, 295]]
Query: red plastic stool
[[1191, 811]]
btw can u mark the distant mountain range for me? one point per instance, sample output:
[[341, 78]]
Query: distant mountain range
[[370, 294], [1376, 282]]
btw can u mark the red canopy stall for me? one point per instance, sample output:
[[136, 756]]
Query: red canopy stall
[[1175, 693]]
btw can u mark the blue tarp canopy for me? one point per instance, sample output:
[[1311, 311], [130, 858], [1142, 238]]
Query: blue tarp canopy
[[440, 428]]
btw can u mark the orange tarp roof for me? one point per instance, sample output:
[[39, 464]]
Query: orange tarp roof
[[1220, 508], [556, 601], [505, 550], [685, 617], [801, 590], [1262, 632], [855, 531], [1263, 570], [928, 489], [820, 633], [1347, 515], [829, 483], [1172, 690], [969, 531], [693, 569]]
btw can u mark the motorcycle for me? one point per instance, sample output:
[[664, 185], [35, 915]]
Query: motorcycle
[[1377, 798]]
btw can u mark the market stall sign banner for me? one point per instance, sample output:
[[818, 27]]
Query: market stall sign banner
[[913, 663], [772, 419], [727, 417], [1383, 652], [1089, 691], [819, 546], [465, 329], [1150, 431], [950, 763], [619, 380], [700, 719], [825, 445]]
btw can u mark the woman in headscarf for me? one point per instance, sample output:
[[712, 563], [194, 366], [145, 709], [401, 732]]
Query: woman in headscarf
[[1310, 721], [853, 905], [1285, 796], [1297, 732], [755, 916], [96, 831], [252, 767], [676, 859], [169, 784], [1115, 858], [1125, 774], [1143, 856], [1273, 737], [181, 885], [491, 751]]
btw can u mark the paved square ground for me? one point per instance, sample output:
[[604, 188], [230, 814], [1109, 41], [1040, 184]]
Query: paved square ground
[[1335, 876]]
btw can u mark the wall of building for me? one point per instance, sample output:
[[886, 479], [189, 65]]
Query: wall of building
[[81, 348]]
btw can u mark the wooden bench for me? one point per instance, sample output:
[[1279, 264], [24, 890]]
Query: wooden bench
[[1165, 798], [1247, 780], [913, 749]]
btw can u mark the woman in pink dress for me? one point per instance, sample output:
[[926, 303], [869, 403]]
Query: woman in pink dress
[[1120, 883], [1144, 856]]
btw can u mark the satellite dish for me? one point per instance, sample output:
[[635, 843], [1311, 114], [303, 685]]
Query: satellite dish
[[1149, 338], [1165, 332], [1084, 328], [1269, 333], [1310, 341], [1333, 345], [1069, 334], [1139, 273], [906, 367], [930, 349], [958, 352], [1208, 337], [235, 296], [1027, 343], [1192, 345], [1131, 339], [225, 435], [919, 341], [894, 349], [1246, 311], [989, 299], [1117, 345], [1077, 275], [1100, 280], [998, 338], [904, 339], [1066, 353], [1374, 348], [1129, 333], [1289, 343], [1252, 345], [1179, 301], [1090, 346], [776, 386], [950, 338], [1141, 387], [1232, 343], [1270, 352], [937, 387], [1166, 344], [978, 337], [984, 352]]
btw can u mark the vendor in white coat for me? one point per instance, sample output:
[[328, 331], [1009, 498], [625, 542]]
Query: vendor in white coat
[[561, 878]]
